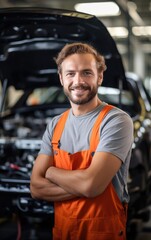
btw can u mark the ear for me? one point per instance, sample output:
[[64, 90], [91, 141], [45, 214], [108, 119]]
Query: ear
[[100, 78], [60, 77]]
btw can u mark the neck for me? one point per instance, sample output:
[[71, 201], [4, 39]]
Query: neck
[[85, 108]]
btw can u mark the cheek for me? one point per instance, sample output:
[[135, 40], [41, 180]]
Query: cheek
[[65, 82]]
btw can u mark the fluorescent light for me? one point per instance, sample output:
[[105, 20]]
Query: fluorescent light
[[132, 9], [142, 30], [119, 32], [99, 8]]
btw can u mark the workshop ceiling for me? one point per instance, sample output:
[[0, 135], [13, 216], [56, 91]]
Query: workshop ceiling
[[144, 10], [143, 6], [133, 13]]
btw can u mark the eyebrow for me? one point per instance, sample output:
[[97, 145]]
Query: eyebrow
[[85, 69]]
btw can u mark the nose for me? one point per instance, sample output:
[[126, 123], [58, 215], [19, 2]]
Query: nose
[[78, 78]]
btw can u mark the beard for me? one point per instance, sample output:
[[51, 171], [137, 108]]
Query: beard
[[81, 98]]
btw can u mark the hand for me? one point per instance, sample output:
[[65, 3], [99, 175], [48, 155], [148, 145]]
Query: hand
[[48, 172]]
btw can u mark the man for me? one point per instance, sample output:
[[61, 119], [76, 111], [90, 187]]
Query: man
[[84, 158]]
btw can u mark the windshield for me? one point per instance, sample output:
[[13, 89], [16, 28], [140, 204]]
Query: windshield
[[55, 95], [112, 95]]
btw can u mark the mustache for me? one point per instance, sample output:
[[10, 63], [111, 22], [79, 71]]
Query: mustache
[[79, 86]]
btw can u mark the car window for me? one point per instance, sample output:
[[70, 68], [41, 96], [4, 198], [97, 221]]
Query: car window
[[47, 95], [112, 95], [55, 95], [12, 96]]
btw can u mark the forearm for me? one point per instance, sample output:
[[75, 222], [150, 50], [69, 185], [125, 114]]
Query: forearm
[[42, 188], [46, 190], [71, 181], [89, 182]]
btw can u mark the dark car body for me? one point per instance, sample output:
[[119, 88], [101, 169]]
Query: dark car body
[[30, 38], [143, 101]]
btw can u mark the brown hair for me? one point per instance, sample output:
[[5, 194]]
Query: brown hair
[[80, 48]]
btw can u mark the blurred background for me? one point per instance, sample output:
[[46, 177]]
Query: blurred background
[[129, 22]]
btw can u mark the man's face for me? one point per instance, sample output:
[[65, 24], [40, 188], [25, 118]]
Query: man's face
[[80, 78]]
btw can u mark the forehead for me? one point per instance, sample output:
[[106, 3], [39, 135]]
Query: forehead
[[79, 61]]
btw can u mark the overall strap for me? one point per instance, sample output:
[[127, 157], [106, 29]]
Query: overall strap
[[95, 136], [59, 127]]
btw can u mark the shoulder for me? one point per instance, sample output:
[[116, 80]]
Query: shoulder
[[117, 118], [118, 113], [53, 121]]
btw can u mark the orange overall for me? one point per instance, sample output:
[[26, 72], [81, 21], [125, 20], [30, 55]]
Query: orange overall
[[99, 218]]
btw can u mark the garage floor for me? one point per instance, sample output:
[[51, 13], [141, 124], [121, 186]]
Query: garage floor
[[13, 229]]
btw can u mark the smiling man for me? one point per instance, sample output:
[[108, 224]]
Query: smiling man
[[84, 158]]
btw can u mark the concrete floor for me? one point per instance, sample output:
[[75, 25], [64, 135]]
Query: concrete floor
[[145, 229], [12, 229]]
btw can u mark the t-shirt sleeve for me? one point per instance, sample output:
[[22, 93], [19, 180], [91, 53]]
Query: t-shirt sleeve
[[46, 146], [116, 135]]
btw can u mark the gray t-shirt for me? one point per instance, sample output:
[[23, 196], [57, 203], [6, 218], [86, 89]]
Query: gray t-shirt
[[116, 137]]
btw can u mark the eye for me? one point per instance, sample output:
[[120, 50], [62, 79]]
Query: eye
[[87, 73], [70, 74]]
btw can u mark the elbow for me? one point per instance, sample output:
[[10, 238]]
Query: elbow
[[34, 194], [92, 191]]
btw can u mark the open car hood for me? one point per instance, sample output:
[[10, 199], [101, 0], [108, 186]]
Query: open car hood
[[30, 38]]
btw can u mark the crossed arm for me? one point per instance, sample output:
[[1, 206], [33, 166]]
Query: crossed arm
[[41, 187], [55, 184]]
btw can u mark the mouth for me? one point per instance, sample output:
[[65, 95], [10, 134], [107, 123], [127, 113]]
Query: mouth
[[79, 88], [79, 91]]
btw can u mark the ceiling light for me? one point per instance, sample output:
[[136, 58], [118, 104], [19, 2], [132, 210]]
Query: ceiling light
[[142, 30], [132, 9], [119, 32], [99, 8]]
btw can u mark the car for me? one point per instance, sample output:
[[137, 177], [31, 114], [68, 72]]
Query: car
[[30, 39], [144, 101]]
